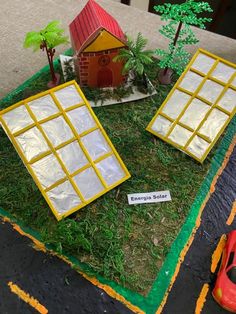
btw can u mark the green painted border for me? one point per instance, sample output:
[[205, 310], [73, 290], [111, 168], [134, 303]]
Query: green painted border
[[150, 303]]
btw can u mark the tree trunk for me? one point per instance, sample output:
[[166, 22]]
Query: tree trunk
[[50, 61], [177, 33], [165, 77], [175, 40]]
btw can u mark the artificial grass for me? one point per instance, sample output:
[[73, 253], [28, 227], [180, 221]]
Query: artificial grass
[[124, 243]]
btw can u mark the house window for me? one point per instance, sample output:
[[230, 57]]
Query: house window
[[104, 60]]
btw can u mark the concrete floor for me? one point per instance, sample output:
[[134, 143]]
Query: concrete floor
[[21, 16]]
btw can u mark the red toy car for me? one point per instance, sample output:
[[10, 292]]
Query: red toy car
[[224, 291]]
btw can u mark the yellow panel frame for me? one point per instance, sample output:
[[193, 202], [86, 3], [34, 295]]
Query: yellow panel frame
[[195, 95], [53, 150]]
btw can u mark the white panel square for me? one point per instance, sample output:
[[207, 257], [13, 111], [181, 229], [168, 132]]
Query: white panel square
[[32, 143], [203, 63], [81, 119], [110, 170], [228, 101], [43, 107], [198, 147], [213, 124], [180, 135], [88, 183], [161, 125], [48, 170], [191, 81], [68, 96], [57, 131], [211, 91], [223, 72], [96, 144], [64, 197], [72, 156], [176, 104], [17, 119], [195, 113]]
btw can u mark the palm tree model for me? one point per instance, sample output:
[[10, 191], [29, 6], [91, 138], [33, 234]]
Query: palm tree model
[[135, 58], [46, 40]]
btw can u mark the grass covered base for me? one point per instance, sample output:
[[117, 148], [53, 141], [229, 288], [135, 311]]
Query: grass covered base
[[127, 244]]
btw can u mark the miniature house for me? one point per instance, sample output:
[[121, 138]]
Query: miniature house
[[96, 39]]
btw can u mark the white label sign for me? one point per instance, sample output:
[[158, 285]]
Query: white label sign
[[152, 197]]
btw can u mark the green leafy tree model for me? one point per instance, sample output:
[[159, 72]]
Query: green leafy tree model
[[135, 58], [46, 40], [180, 34]]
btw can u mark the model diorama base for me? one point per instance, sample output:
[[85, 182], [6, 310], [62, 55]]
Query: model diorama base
[[221, 170]]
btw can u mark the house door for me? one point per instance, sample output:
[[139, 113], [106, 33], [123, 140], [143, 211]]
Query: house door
[[104, 78]]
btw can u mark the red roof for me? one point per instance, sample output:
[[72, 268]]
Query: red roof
[[86, 26]]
